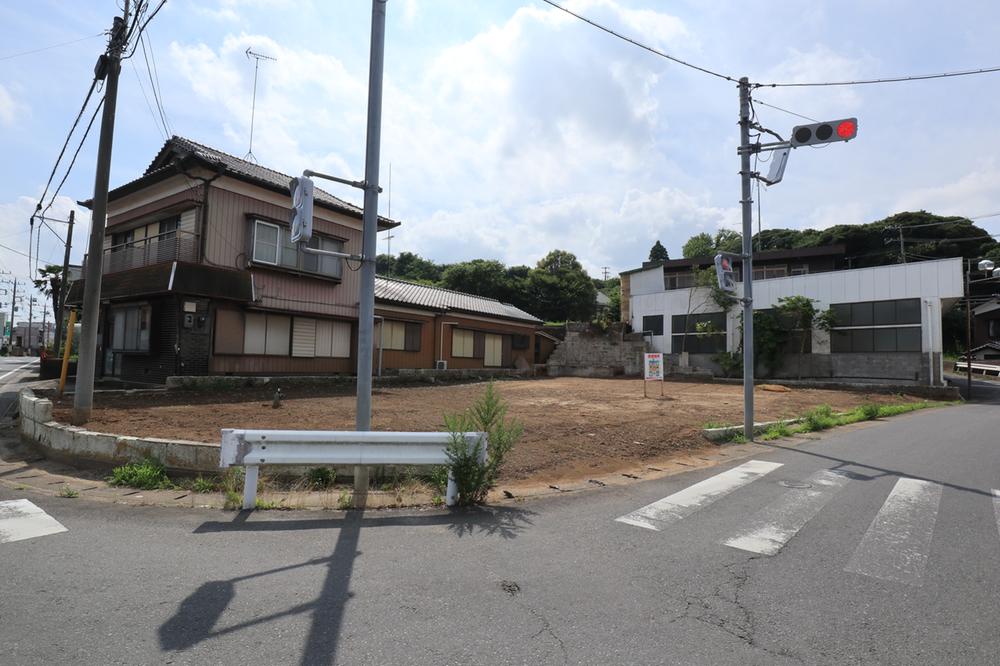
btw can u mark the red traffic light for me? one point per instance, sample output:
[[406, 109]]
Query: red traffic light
[[847, 129]]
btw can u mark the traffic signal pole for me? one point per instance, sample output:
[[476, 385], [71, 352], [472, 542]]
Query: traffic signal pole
[[746, 204]]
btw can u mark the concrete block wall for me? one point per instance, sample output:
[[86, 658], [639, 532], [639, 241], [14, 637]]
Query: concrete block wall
[[589, 352]]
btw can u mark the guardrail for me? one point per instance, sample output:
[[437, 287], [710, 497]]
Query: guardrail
[[981, 368], [253, 448]]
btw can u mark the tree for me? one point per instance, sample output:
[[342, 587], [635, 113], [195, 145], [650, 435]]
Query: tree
[[481, 277], [560, 290], [727, 240], [409, 266], [800, 313], [699, 245], [658, 252]]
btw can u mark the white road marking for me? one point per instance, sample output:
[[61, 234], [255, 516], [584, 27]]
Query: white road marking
[[996, 506], [5, 376], [896, 544], [20, 519], [780, 520], [685, 502]]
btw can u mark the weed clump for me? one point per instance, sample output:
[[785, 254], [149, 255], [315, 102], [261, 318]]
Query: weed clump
[[146, 475]]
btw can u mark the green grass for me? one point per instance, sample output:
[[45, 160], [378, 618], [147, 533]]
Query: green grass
[[203, 485], [823, 418], [345, 500], [69, 492], [320, 477], [146, 475]]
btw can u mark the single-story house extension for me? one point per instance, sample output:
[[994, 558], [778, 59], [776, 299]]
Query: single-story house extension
[[200, 277], [887, 318]]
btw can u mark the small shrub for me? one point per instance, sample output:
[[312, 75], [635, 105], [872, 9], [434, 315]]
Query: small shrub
[[776, 431], [234, 500], [69, 492], [203, 485], [345, 500], [819, 418], [232, 480], [438, 477], [146, 475], [437, 500], [266, 505], [869, 411], [320, 477]]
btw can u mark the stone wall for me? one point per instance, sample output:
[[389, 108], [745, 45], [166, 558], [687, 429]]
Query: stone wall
[[590, 352]]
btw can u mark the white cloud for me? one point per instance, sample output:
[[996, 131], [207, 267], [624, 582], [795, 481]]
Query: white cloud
[[973, 194], [10, 108], [14, 228]]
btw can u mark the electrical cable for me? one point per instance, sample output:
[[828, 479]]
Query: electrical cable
[[895, 79], [83, 107], [47, 48], [142, 89], [778, 108], [73, 161], [637, 43], [154, 83]]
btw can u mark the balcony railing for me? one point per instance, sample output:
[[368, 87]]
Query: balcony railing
[[169, 246]]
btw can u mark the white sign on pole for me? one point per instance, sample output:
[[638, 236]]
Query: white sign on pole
[[652, 370]]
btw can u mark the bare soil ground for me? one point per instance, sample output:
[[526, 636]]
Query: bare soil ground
[[573, 427]]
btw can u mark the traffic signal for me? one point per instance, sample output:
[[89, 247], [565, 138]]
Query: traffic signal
[[724, 273], [302, 208], [827, 132]]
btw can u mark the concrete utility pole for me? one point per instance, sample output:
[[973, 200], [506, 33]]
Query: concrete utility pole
[[366, 295], [83, 397], [31, 316], [63, 285], [747, 205], [13, 309]]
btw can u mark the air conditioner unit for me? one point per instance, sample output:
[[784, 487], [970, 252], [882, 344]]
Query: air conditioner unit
[[440, 365]]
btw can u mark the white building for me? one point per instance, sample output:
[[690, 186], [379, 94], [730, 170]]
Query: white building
[[888, 318]]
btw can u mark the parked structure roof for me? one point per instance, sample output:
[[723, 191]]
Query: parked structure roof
[[763, 256], [410, 293]]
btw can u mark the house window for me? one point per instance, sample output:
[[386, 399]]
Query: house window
[[652, 324], [266, 242], [698, 333], [400, 335], [876, 327], [673, 281], [520, 342], [130, 328], [770, 272], [273, 245], [228, 332], [462, 343], [492, 350], [267, 334]]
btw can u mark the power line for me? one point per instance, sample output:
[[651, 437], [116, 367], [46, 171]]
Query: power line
[[637, 43], [896, 79], [83, 107], [47, 48], [73, 161], [154, 81], [142, 89], [792, 113]]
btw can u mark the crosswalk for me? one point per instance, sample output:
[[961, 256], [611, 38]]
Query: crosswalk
[[895, 546], [21, 519]]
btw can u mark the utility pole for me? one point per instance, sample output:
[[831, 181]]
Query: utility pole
[[13, 308], [63, 285], [83, 397], [747, 205], [968, 330], [31, 314], [366, 295]]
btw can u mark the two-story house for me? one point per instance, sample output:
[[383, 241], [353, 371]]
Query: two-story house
[[200, 277], [887, 318]]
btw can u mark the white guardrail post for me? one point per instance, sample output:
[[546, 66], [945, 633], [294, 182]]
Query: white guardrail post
[[253, 448]]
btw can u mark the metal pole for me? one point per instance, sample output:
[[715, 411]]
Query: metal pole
[[83, 397], [968, 332], [747, 205], [31, 316], [366, 295], [13, 301], [66, 352], [64, 284]]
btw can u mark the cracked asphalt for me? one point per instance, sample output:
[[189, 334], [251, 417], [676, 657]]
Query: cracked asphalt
[[550, 581]]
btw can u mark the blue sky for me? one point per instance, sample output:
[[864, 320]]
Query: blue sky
[[514, 129]]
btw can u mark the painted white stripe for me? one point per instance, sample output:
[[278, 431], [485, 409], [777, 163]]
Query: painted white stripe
[[685, 502], [996, 506], [5, 376], [779, 521], [20, 519], [896, 544]]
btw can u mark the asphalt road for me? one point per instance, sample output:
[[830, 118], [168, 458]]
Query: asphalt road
[[890, 555], [14, 370]]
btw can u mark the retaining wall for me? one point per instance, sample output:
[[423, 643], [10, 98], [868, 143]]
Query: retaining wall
[[402, 376]]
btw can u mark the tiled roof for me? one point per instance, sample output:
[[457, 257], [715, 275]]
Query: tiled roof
[[410, 293], [178, 146]]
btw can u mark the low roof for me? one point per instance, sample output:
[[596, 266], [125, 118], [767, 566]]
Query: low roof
[[420, 295], [766, 255], [187, 152], [988, 306]]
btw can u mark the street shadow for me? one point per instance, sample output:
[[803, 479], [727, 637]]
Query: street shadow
[[197, 617]]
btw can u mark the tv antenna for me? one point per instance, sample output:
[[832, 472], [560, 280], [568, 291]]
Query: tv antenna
[[253, 104]]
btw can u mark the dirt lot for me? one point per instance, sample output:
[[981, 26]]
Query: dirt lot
[[573, 427]]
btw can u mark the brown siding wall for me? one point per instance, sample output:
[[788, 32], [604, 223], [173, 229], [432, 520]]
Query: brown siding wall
[[393, 359], [510, 355], [227, 244], [281, 365]]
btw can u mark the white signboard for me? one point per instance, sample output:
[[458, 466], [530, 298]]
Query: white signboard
[[653, 367]]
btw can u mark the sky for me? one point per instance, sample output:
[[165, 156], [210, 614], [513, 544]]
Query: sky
[[510, 128]]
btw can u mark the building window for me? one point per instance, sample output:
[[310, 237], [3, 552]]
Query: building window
[[876, 327], [267, 334], [130, 328], [320, 338], [273, 245], [400, 336], [265, 242], [800, 270], [652, 324], [770, 272], [228, 332], [698, 333], [673, 281], [520, 341], [462, 343], [492, 350]]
